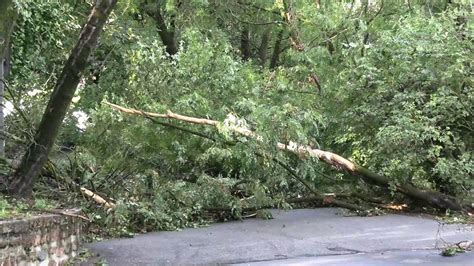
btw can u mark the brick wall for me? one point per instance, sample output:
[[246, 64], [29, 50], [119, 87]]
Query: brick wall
[[49, 239]]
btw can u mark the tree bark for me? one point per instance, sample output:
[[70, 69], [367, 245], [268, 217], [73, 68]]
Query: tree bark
[[38, 151], [432, 198]]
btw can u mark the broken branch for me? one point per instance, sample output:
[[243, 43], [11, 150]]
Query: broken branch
[[432, 198], [98, 199]]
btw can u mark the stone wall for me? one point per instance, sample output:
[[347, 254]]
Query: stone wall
[[48, 239]]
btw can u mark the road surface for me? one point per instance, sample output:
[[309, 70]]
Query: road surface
[[297, 237]]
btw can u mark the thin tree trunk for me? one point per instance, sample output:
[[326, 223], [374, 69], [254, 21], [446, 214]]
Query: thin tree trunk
[[7, 21], [432, 198], [262, 49], [245, 43], [277, 50], [2, 114], [38, 151]]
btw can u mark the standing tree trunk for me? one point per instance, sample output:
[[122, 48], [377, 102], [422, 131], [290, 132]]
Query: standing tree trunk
[[167, 34], [262, 49], [7, 21], [38, 151], [2, 114], [245, 43], [277, 50]]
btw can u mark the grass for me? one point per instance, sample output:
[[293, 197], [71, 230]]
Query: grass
[[10, 208]]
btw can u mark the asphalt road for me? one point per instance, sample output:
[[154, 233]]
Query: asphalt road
[[297, 237]]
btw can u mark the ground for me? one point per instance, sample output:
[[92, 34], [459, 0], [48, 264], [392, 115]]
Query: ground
[[297, 237]]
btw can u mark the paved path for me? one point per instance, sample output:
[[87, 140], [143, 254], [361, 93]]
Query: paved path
[[297, 237]]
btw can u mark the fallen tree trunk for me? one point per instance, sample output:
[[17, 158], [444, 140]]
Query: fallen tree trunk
[[432, 198]]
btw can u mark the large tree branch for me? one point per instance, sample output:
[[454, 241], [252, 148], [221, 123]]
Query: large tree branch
[[317, 196], [432, 198]]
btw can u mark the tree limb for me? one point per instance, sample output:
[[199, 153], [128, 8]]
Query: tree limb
[[322, 198], [98, 199], [432, 198]]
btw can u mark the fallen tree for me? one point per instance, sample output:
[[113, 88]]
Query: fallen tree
[[432, 198], [317, 196]]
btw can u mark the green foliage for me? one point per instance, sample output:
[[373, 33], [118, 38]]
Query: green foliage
[[408, 103], [10, 208], [396, 96], [45, 32], [452, 251], [5, 208]]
